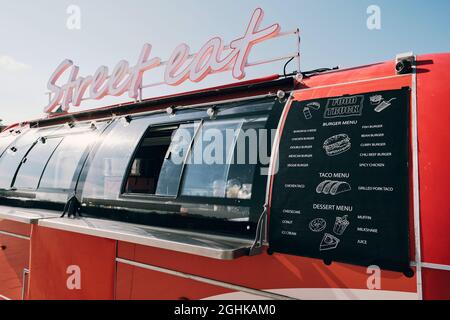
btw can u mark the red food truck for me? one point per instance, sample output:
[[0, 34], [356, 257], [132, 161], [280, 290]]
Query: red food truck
[[319, 185]]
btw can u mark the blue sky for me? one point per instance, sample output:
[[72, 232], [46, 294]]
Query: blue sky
[[34, 38]]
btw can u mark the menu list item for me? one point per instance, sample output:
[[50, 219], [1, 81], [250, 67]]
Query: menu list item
[[341, 192]]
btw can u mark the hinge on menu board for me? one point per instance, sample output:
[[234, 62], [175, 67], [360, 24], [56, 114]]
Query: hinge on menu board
[[72, 207], [261, 230]]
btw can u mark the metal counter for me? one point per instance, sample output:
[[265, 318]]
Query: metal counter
[[29, 216], [210, 246]]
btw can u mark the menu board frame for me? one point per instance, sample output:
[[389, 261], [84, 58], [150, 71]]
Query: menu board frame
[[294, 213]]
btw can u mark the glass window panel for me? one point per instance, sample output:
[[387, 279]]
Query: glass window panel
[[64, 163], [207, 167], [252, 149], [169, 178], [13, 156], [224, 157], [34, 163], [109, 164], [6, 138]]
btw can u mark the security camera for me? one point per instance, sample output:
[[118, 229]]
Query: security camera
[[404, 63]]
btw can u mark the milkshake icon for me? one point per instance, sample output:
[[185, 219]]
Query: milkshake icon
[[341, 225]]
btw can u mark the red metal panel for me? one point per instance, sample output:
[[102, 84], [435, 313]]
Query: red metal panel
[[436, 284], [434, 138], [54, 251], [141, 284], [14, 256], [15, 227], [376, 70], [266, 272]]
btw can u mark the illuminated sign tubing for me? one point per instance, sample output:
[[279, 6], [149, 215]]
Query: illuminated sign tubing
[[180, 67]]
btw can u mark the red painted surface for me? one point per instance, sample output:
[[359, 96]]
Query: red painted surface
[[15, 227], [14, 256], [135, 283], [361, 73], [433, 84], [264, 271], [436, 284], [53, 251]]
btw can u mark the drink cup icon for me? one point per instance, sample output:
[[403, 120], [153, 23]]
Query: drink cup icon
[[307, 113], [310, 107], [341, 225]]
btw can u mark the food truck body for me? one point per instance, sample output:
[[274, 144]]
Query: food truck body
[[351, 205]]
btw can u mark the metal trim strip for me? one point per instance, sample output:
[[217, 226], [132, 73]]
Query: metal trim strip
[[352, 82], [204, 280], [416, 188], [8, 234]]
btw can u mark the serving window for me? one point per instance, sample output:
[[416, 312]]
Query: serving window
[[158, 162], [212, 159]]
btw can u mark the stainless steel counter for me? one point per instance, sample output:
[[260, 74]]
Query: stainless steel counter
[[29, 216], [215, 247]]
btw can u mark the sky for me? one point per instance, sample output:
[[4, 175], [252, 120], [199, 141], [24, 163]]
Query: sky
[[34, 38]]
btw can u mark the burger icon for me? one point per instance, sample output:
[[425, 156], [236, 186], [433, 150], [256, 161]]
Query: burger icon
[[337, 144]]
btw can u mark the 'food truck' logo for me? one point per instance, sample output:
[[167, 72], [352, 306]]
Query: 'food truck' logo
[[213, 57], [344, 107]]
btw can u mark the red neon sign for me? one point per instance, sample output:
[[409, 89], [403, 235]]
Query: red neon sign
[[180, 67]]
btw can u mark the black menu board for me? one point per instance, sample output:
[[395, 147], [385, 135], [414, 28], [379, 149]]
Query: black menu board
[[341, 191]]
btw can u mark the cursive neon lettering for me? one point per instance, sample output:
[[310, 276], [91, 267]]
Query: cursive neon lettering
[[213, 57]]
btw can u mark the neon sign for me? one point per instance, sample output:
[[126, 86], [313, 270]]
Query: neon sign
[[182, 66]]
